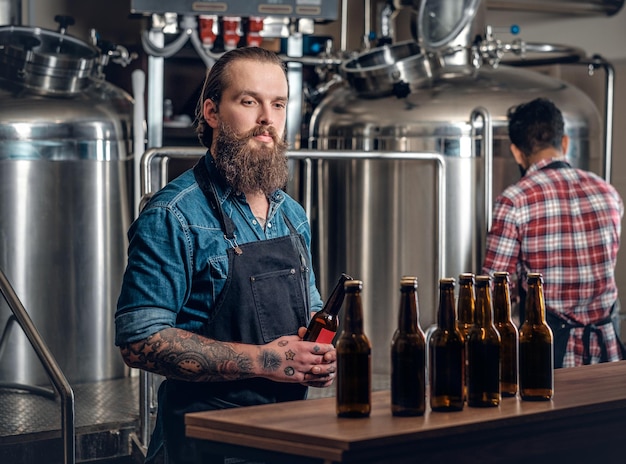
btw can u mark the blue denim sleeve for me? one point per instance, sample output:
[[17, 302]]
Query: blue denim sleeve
[[156, 280]]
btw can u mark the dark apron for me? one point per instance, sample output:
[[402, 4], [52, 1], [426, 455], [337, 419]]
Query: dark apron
[[266, 296], [561, 328]]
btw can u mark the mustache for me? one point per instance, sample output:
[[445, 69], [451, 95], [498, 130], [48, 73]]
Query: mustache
[[261, 130]]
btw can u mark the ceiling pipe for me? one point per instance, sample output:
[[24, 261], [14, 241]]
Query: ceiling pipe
[[566, 7]]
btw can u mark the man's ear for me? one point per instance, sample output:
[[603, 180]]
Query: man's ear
[[565, 144], [209, 111]]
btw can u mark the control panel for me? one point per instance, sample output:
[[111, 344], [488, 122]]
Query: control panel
[[315, 9]]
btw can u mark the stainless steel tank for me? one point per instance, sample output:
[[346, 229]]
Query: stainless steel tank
[[406, 162], [64, 203]]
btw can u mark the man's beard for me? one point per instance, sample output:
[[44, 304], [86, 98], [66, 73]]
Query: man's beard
[[251, 169]]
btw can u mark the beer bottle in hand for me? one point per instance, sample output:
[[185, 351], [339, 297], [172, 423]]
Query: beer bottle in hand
[[446, 350], [323, 325], [536, 349], [408, 356], [354, 363], [509, 336], [483, 351], [465, 312]]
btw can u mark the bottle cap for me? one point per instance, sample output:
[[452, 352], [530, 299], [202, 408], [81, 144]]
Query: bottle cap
[[353, 285], [408, 281], [501, 275], [446, 281]]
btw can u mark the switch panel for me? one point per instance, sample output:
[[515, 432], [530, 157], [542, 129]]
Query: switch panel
[[315, 9]]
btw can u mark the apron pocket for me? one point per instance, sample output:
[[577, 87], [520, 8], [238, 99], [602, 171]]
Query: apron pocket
[[279, 303]]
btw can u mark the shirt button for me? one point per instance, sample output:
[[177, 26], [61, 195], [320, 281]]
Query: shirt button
[[269, 224]]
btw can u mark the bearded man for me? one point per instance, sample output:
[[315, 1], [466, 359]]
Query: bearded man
[[219, 288]]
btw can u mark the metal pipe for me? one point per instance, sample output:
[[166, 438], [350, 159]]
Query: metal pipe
[[609, 105], [487, 155], [57, 377], [344, 25], [567, 7], [163, 153]]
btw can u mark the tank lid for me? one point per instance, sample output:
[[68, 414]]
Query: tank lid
[[44, 61], [388, 70], [441, 21]]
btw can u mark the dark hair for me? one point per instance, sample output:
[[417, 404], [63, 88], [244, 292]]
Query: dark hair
[[536, 125], [217, 80]]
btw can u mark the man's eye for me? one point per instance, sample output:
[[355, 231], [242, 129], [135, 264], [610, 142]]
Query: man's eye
[[248, 102]]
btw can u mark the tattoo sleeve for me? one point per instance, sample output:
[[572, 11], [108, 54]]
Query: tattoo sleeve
[[182, 355]]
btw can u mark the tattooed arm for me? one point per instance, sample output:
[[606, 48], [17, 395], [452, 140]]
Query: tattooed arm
[[183, 355]]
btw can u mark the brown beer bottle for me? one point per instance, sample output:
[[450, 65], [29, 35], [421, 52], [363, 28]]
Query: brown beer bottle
[[408, 356], [509, 336], [536, 349], [483, 351], [466, 307], [466, 303], [324, 323], [354, 363], [446, 350]]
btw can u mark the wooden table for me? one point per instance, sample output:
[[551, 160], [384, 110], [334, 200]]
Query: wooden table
[[584, 423]]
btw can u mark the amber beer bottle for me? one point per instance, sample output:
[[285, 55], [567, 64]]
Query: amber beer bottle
[[466, 305], [536, 348], [408, 355], [509, 336], [324, 323], [354, 358], [483, 351], [446, 350]]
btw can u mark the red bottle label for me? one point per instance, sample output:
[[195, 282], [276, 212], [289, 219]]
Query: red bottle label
[[325, 336]]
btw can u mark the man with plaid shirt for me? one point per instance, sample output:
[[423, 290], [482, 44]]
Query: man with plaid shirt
[[564, 223]]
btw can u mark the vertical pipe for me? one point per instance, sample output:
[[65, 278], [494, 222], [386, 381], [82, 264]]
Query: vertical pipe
[[155, 91], [487, 155], [295, 48], [344, 25], [367, 20], [608, 120]]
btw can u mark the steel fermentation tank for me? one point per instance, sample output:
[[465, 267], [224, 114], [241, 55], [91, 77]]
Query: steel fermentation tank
[[64, 203], [421, 149]]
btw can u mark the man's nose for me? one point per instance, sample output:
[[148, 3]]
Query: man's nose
[[265, 115]]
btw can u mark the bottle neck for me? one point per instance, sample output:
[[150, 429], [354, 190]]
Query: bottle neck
[[467, 303], [354, 313], [335, 300], [501, 302], [483, 306], [445, 314], [408, 316], [535, 311]]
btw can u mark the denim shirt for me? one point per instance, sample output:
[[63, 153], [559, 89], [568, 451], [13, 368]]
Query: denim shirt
[[177, 262]]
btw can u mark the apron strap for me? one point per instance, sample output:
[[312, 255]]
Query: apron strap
[[595, 328], [201, 173]]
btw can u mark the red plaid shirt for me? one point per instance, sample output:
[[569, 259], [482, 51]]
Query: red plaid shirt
[[566, 224]]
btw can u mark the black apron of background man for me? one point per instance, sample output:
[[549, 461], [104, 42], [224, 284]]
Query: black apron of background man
[[266, 296], [561, 328]]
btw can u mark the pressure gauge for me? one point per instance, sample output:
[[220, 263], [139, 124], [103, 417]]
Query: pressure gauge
[[441, 21]]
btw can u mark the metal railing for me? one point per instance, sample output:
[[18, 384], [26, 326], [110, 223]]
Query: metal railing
[[59, 381]]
